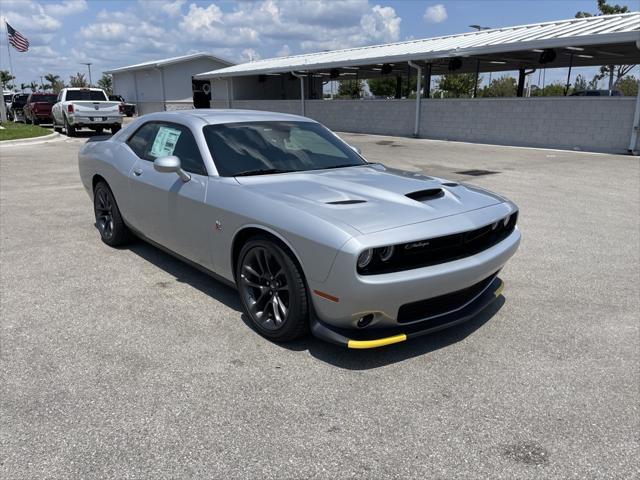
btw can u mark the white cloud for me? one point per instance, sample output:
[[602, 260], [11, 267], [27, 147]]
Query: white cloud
[[171, 8], [435, 14], [317, 25], [284, 51], [250, 55], [67, 7]]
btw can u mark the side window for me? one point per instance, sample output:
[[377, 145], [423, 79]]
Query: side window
[[141, 141], [174, 139]]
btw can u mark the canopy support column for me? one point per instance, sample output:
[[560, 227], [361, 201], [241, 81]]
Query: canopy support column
[[636, 124], [427, 81], [416, 127], [566, 87], [475, 86], [521, 78], [301, 77]]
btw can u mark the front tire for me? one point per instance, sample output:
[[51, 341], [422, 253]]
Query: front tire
[[111, 226], [272, 290]]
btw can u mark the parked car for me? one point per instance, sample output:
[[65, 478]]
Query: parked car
[[85, 108], [129, 109], [311, 234], [18, 101], [596, 93], [38, 108], [7, 95]]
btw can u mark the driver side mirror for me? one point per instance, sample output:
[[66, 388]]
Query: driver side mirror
[[171, 164]]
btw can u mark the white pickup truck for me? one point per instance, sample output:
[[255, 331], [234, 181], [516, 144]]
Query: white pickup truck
[[85, 108]]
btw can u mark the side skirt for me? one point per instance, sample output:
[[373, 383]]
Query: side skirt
[[191, 263]]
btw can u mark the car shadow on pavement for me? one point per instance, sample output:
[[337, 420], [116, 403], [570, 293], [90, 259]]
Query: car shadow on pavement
[[185, 273], [380, 357], [332, 354]]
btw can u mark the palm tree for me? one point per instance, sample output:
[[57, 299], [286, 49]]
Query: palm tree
[[106, 83], [24, 86], [55, 82], [78, 80], [6, 78], [33, 86]]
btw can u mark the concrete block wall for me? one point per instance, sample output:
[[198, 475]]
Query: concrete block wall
[[587, 123], [600, 124], [380, 117]]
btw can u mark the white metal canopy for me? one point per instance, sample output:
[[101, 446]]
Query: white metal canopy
[[168, 61], [621, 31]]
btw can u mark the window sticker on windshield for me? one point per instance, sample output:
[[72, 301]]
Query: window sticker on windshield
[[165, 142]]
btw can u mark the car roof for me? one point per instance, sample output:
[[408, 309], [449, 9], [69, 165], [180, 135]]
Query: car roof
[[217, 116]]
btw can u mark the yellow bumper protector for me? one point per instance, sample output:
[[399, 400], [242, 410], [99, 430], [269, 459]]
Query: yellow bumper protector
[[499, 289], [380, 342]]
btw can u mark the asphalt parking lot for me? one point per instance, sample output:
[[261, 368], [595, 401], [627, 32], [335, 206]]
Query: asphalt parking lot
[[129, 364]]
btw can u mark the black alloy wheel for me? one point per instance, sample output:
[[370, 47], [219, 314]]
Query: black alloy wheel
[[109, 222], [272, 290]]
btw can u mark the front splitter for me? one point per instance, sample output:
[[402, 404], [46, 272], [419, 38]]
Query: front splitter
[[364, 339]]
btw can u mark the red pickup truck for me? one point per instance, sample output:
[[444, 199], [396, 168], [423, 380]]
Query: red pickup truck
[[38, 108]]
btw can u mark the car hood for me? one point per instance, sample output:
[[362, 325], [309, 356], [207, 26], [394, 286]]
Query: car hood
[[371, 198]]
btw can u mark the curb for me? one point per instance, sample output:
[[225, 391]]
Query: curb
[[29, 141]]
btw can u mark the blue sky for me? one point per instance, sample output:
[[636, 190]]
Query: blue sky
[[114, 33]]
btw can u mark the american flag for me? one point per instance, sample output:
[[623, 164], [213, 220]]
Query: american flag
[[16, 39]]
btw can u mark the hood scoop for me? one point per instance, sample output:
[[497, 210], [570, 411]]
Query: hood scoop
[[423, 195], [346, 202]]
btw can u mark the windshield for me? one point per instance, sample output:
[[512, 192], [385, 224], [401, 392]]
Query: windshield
[[44, 98], [95, 95], [254, 148], [19, 99]]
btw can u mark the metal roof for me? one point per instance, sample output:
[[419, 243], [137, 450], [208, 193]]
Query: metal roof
[[168, 61], [601, 30]]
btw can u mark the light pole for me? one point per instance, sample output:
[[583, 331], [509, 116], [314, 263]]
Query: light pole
[[88, 64]]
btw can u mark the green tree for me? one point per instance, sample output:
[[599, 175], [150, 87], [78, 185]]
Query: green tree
[[78, 80], [628, 86], [106, 83], [580, 83], [24, 86], [457, 84], [552, 90], [504, 86], [386, 86], [383, 87], [6, 79], [33, 86], [614, 72], [350, 88], [56, 83]]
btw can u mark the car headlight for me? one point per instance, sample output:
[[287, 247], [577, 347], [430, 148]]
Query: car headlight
[[386, 253], [364, 258]]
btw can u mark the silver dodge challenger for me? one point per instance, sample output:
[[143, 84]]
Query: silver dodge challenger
[[313, 236]]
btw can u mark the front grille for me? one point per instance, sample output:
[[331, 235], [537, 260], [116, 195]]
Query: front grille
[[431, 307], [434, 251]]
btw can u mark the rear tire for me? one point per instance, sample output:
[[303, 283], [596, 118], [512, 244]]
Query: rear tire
[[35, 121], [113, 230], [272, 290], [71, 131]]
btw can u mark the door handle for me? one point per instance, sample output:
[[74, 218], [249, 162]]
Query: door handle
[[137, 172]]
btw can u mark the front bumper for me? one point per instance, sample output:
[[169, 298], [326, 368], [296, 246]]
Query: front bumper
[[345, 296], [364, 339]]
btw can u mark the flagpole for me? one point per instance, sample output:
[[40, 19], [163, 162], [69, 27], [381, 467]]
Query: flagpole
[[8, 50]]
